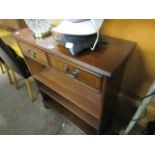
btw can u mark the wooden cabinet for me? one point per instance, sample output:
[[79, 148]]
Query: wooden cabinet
[[82, 88]]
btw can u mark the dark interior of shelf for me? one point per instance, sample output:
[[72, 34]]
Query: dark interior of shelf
[[69, 116]]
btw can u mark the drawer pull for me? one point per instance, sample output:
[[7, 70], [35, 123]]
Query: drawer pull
[[74, 74], [28, 51], [34, 54], [31, 53]]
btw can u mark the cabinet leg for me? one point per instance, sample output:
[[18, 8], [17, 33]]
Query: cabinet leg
[[46, 106]]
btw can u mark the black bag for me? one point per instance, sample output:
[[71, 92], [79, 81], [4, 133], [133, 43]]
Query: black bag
[[81, 43]]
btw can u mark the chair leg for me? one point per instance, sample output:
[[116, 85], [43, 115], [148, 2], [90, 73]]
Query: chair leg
[[9, 75], [29, 87], [15, 79], [2, 69]]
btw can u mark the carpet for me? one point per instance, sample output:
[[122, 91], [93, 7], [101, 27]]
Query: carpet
[[18, 116]]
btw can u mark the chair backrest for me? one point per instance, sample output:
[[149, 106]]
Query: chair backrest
[[12, 60]]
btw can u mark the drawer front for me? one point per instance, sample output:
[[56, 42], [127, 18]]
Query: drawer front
[[76, 72], [34, 53]]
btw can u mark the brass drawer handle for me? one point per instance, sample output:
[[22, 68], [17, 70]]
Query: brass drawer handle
[[31, 53], [74, 74], [28, 51], [34, 54]]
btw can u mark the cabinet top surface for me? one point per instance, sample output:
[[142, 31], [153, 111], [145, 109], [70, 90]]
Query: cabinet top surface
[[103, 61]]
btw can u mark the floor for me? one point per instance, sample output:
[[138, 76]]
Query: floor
[[18, 116]]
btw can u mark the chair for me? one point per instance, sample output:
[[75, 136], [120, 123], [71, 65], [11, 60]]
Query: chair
[[17, 65], [4, 68], [1, 65]]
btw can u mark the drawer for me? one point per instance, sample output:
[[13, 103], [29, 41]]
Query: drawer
[[76, 72], [34, 53]]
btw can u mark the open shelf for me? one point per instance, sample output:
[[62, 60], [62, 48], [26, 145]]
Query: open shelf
[[88, 100], [68, 115], [70, 106]]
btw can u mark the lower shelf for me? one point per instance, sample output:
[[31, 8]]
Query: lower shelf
[[69, 116], [92, 121], [79, 94]]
